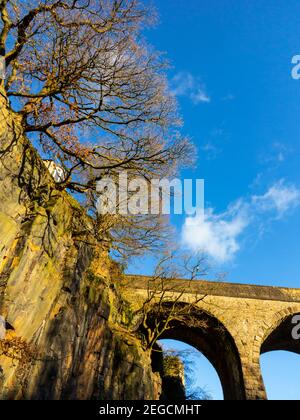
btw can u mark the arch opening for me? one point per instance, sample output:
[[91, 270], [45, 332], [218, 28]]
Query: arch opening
[[201, 380], [213, 340], [279, 360]]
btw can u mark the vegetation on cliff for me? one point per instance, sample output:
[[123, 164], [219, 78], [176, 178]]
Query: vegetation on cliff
[[92, 95], [83, 88]]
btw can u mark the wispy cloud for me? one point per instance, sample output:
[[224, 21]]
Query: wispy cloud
[[220, 235], [280, 198], [277, 154], [199, 96], [229, 97], [211, 151], [185, 84]]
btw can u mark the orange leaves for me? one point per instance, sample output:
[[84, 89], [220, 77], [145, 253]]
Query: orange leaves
[[93, 96]]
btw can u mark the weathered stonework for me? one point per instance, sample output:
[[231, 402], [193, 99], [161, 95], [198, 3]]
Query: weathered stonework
[[67, 336], [243, 322]]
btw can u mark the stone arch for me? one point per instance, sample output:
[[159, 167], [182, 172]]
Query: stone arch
[[278, 334], [218, 346]]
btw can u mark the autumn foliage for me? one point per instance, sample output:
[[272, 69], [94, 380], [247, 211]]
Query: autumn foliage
[[93, 96]]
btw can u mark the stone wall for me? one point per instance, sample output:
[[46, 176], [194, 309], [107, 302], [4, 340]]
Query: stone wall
[[66, 322], [243, 321]]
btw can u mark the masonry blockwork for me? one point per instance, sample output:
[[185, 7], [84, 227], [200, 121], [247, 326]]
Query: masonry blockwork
[[280, 337], [217, 345]]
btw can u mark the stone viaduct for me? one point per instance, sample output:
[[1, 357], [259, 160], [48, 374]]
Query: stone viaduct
[[244, 321]]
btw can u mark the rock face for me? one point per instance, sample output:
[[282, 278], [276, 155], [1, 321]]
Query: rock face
[[173, 384], [66, 335]]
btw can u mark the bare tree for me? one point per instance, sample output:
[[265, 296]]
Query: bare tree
[[92, 95], [164, 305]]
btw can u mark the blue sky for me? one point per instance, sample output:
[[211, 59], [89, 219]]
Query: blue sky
[[231, 71]]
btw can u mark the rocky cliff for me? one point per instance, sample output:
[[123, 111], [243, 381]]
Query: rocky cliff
[[66, 334]]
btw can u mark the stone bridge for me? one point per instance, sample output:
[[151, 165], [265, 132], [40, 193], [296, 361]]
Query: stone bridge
[[253, 320]]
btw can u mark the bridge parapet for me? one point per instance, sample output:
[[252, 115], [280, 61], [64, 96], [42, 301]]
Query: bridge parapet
[[213, 288], [258, 318]]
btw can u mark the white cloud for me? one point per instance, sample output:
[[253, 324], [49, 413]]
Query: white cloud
[[279, 198], [199, 96], [182, 84], [185, 84], [219, 235], [216, 235]]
